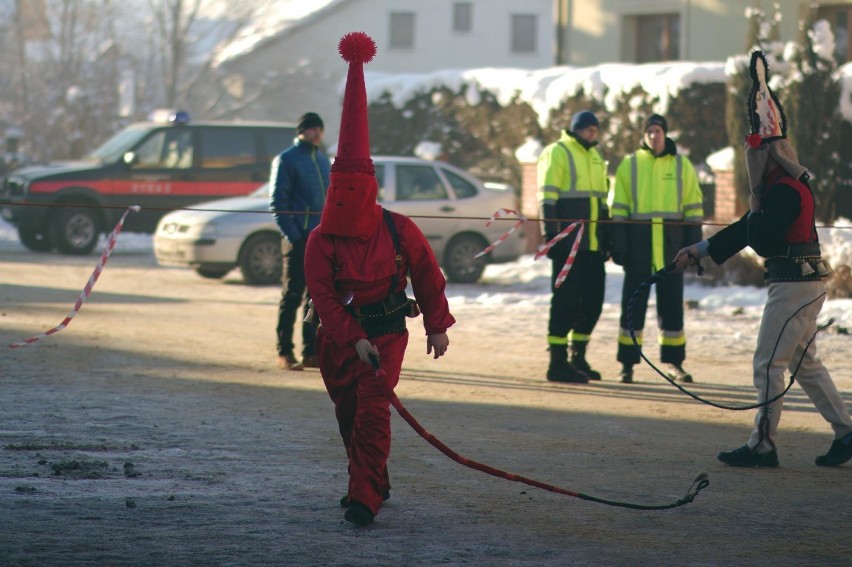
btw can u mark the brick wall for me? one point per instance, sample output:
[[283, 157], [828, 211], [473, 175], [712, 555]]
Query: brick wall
[[727, 206], [529, 205]]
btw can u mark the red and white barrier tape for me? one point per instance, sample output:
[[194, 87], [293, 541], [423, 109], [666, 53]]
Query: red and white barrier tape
[[542, 251], [499, 213], [89, 285]]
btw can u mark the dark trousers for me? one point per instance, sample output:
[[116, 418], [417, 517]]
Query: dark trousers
[[576, 305], [294, 295], [669, 317]]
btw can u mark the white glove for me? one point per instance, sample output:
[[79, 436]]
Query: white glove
[[364, 349]]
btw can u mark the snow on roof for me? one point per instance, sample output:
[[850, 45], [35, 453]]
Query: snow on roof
[[276, 18]]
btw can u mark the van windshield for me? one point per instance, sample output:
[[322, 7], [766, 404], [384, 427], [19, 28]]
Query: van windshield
[[113, 149]]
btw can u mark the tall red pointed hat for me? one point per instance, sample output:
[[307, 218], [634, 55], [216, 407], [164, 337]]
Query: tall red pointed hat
[[350, 208]]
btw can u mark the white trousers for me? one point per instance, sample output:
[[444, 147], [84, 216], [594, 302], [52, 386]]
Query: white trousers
[[791, 312]]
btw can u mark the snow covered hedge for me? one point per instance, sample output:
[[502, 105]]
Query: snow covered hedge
[[480, 117]]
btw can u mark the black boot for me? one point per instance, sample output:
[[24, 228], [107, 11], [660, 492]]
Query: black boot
[[578, 359], [560, 370]]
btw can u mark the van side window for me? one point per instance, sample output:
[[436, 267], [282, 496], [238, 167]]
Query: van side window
[[221, 148], [277, 140], [418, 183], [166, 149]]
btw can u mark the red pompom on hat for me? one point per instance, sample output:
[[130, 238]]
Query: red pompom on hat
[[350, 208]]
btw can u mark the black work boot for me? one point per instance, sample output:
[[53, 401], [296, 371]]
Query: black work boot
[[578, 359], [839, 452], [560, 370], [358, 514], [676, 372], [626, 374]]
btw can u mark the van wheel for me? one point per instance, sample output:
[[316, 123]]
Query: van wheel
[[213, 272], [459, 262], [75, 231], [35, 240], [261, 260]]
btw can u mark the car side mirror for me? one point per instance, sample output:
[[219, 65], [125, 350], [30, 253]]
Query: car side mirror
[[129, 158]]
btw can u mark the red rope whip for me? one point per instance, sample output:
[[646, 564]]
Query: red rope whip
[[700, 482]]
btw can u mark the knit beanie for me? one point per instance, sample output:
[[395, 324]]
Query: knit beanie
[[307, 121], [657, 119], [583, 120]]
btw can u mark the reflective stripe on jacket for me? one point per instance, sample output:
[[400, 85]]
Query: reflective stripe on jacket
[[663, 190], [572, 184]]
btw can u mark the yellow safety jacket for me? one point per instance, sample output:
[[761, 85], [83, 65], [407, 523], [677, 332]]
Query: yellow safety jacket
[[572, 184], [664, 191]]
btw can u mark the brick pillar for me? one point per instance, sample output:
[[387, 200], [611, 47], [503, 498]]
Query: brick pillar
[[529, 205], [727, 206]]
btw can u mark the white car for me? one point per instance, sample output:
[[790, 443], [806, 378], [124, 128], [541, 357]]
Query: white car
[[450, 207]]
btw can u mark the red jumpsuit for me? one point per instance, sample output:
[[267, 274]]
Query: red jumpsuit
[[337, 268]]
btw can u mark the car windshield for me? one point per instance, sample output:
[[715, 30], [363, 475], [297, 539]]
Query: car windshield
[[113, 149]]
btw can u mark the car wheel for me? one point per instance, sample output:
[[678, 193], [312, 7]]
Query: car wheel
[[213, 272], [75, 231], [35, 240], [261, 260], [459, 262]]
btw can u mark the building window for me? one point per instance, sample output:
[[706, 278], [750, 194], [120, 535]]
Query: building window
[[402, 30], [462, 17], [523, 33], [839, 18], [657, 37]]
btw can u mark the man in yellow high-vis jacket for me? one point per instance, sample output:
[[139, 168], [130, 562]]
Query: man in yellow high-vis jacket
[[572, 186], [659, 203]]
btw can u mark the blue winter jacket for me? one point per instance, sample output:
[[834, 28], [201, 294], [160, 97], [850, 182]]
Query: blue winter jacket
[[298, 182]]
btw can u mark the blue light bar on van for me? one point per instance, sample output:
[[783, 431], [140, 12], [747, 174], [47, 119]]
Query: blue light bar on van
[[178, 117]]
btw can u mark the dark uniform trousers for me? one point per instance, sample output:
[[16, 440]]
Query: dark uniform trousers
[[576, 305], [669, 316]]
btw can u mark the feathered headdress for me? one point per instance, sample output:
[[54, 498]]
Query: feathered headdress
[[767, 127], [765, 113]]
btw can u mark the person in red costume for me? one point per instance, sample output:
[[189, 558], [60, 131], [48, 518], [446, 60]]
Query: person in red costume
[[357, 262]]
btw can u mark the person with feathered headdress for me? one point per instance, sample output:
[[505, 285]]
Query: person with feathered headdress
[[780, 226]]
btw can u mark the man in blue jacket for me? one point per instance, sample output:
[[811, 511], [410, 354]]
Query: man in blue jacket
[[297, 182]]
